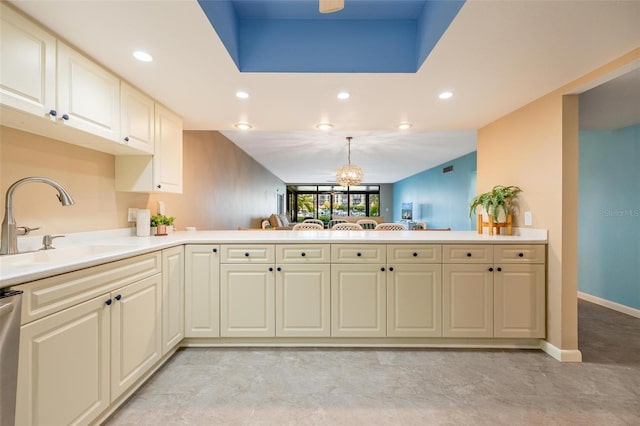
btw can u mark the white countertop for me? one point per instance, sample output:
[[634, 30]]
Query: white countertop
[[87, 249]]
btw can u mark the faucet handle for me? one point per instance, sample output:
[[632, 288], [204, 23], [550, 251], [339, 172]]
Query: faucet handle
[[24, 230], [47, 241]]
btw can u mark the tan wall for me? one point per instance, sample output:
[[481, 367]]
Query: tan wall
[[224, 188], [536, 148], [87, 175]]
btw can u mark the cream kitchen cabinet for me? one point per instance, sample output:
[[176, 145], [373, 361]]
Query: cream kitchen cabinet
[[172, 297], [50, 89], [86, 336], [136, 338], [202, 290], [494, 291], [137, 119], [358, 290], [467, 300], [414, 290], [161, 172], [88, 97], [303, 291], [247, 290], [467, 293], [519, 291], [247, 300], [64, 370], [28, 66]]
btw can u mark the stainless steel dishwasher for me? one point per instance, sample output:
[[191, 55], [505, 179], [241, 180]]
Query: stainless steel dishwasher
[[10, 304]]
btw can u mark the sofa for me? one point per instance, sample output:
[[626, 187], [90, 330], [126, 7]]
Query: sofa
[[280, 221]]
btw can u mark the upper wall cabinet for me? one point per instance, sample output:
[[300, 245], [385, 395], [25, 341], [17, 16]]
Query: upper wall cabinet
[[161, 172], [50, 89], [88, 95], [28, 66], [136, 118]]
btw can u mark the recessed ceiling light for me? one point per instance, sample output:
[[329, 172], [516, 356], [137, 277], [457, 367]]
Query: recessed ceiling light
[[445, 95], [404, 126], [241, 95], [243, 126], [142, 56], [344, 95], [324, 126]]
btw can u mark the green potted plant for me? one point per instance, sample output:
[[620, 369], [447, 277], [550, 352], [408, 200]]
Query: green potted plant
[[160, 222], [494, 202]]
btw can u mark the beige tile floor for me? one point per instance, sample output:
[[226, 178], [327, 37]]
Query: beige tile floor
[[401, 387]]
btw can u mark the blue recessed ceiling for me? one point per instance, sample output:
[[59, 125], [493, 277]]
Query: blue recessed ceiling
[[367, 36]]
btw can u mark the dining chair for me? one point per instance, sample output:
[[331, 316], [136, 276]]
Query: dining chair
[[390, 227], [307, 226], [346, 226], [318, 221], [367, 223]]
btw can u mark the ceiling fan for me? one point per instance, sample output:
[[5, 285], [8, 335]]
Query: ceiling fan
[[330, 6]]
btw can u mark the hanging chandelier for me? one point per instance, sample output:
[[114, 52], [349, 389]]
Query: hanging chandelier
[[349, 175]]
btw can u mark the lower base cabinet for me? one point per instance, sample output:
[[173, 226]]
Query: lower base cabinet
[[74, 363], [136, 342], [202, 290], [63, 376], [172, 297], [358, 301], [247, 300], [519, 301], [303, 300], [467, 301], [414, 300]]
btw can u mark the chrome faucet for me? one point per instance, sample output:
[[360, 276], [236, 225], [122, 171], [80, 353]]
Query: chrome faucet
[[9, 230]]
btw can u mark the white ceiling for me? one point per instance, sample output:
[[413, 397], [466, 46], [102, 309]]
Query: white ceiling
[[496, 56]]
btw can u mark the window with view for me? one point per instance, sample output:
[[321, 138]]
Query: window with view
[[324, 202]]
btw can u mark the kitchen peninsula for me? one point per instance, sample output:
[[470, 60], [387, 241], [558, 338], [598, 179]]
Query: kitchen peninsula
[[107, 308]]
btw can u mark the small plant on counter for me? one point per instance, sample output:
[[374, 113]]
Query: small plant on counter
[[160, 219], [495, 201]]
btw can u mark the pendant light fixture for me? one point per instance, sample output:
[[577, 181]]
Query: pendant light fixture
[[349, 175]]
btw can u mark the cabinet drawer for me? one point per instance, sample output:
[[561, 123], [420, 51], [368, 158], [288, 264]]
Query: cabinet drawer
[[467, 253], [358, 253], [50, 295], [247, 253], [420, 253], [519, 253], [295, 253]]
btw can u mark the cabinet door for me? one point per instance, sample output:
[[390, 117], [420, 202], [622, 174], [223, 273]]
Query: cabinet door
[[358, 301], [167, 160], [467, 300], [519, 301], [88, 94], [27, 69], [202, 290], [135, 332], [172, 297], [303, 300], [414, 301], [63, 373], [247, 300], [137, 119]]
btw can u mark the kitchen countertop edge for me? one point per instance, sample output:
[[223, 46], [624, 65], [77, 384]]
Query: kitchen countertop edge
[[127, 245]]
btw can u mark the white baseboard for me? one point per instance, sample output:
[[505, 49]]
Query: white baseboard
[[609, 304], [562, 355]]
